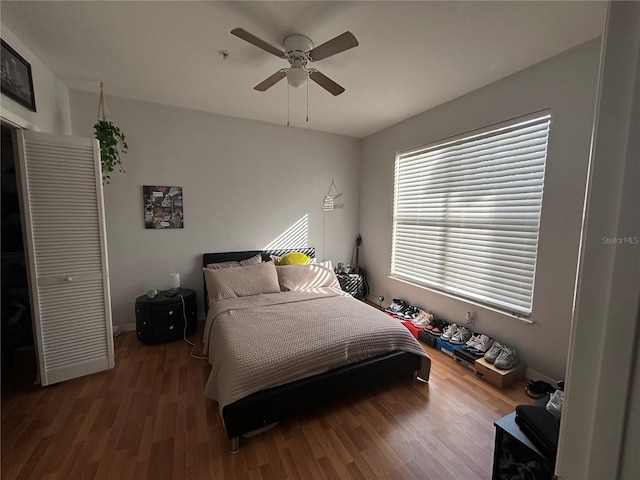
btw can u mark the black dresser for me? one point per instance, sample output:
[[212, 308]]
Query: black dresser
[[163, 318]]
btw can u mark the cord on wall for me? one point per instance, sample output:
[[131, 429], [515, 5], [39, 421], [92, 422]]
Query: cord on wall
[[184, 332]]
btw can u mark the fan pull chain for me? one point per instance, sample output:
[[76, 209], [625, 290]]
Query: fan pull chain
[[308, 99], [288, 104]]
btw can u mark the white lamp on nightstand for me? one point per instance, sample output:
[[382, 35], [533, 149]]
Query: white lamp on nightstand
[[175, 283]]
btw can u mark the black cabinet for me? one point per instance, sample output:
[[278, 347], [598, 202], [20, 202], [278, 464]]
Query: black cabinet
[[164, 318], [515, 456]]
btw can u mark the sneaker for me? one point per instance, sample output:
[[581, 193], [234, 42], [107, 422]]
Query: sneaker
[[432, 324], [409, 313], [491, 354], [461, 336], [449, 332], [438, 327], [538, 389], [507, 359], [471, 343], [483, 344], [396, 306], [423, 319]]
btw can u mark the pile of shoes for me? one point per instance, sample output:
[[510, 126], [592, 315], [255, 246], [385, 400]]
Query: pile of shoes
[[501, 356], [412, 317], [538, 389], [402, 310], [419, 318], [478, 345]]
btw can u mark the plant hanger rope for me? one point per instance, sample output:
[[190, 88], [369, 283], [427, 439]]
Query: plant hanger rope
[[102, 106]]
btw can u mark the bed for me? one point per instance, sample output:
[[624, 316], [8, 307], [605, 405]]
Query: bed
[[281, 339]]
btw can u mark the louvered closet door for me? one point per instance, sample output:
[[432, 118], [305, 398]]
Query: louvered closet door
[[66, 242]]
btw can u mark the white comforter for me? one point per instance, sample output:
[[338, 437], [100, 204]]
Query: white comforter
[[261, 341]]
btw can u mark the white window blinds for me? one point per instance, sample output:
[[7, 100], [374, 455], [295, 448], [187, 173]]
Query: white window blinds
[[467, 214]]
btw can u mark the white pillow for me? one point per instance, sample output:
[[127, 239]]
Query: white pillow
[[242, 263], [241, 282], [305, 277]]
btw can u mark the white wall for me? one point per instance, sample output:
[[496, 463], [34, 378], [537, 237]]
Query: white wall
[[52, 97], [566, 84], [244, 184]]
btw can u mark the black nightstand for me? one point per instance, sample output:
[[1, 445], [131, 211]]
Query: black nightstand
[[352, 283], [162, 318]]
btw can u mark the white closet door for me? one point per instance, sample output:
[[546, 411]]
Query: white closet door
[[63, 211]]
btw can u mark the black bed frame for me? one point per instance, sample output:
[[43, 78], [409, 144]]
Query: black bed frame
[[272, 405]]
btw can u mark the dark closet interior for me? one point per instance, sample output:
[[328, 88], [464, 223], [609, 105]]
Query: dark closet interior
[[18, 353]]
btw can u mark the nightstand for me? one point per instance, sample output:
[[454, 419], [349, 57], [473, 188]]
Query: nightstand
[[352, 283], [162, 319]]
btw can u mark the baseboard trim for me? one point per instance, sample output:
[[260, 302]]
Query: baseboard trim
[[535, 375], [123, 327]]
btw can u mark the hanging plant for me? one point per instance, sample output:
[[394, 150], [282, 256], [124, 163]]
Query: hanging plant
[[112, 141]]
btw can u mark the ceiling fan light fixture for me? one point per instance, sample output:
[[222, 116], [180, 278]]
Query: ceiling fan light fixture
[[299, 51], [297, 77]]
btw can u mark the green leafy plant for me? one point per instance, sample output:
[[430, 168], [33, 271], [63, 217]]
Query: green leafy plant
[[112, 145]]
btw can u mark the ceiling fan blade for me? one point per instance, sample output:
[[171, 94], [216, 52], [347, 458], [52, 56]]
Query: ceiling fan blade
[[335, 45], [258, 42], [325, 82], [271, 81]]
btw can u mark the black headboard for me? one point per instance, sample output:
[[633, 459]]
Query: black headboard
[[208, 258]]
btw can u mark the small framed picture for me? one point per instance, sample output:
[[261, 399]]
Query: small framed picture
[[162, 207], [16, 81]]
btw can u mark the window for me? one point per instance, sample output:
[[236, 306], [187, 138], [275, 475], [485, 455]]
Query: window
[[466, 214]]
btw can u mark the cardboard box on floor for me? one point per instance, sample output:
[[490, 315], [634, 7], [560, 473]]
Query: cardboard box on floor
[[497, 377]]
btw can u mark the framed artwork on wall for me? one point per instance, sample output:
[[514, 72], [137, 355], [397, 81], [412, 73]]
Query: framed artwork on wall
[[16, 81], [162, 207]]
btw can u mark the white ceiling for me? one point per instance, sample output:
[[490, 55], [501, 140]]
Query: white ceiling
[[412, 56]]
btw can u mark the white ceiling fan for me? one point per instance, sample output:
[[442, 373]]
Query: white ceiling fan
[[299, 51]]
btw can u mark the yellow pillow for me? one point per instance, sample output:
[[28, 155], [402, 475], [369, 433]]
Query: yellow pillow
[[294, 258]]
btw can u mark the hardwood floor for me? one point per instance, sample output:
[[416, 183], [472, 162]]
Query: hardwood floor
[[148, 418]]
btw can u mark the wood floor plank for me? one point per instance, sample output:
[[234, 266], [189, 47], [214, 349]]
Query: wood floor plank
[[148, 418]]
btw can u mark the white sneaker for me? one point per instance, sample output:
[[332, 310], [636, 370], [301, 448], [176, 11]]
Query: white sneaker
[[423, 319], [483, 344], [449, 331], [461, 336], [471, 343]]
